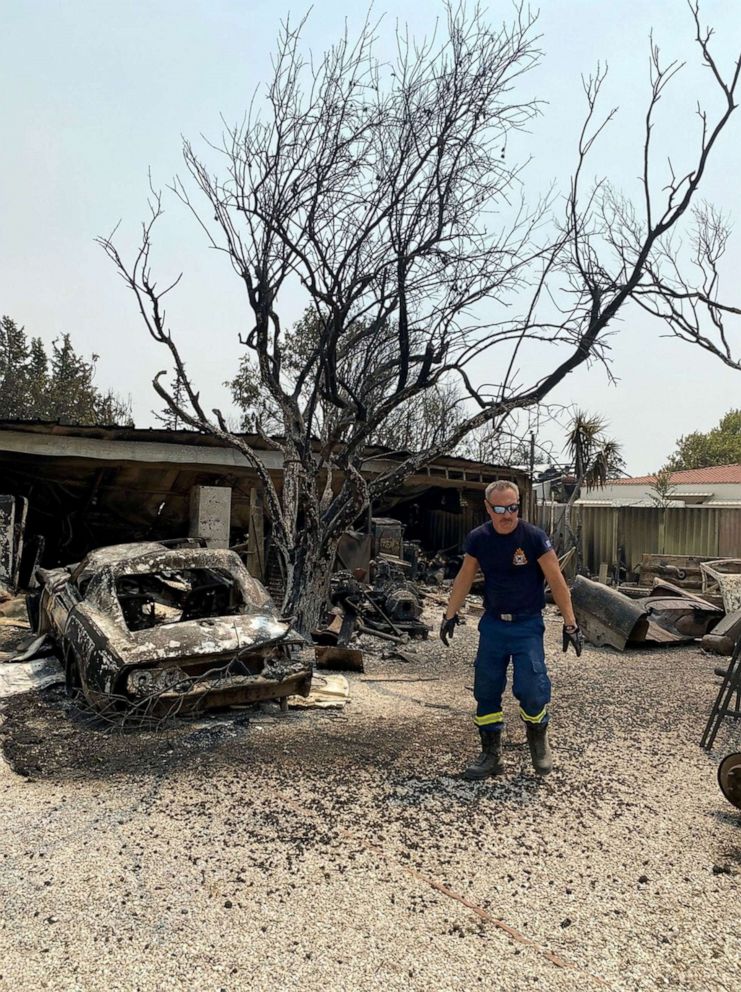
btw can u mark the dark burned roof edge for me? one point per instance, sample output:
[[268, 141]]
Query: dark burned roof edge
[[114, 432]]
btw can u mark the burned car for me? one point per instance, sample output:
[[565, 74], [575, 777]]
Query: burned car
[[168, 630]]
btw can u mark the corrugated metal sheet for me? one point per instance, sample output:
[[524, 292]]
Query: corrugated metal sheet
[[729, 533], [689, 530], [638, 533], [638, 530], [598, 529], [446, 531]]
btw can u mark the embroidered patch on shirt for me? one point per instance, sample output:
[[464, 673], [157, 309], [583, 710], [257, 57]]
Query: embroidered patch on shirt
[[519, 557]]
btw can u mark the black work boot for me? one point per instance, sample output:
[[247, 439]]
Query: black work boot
[[489, 762], [540, 752]]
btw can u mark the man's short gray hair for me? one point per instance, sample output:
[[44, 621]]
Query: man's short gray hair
[[501, 486]]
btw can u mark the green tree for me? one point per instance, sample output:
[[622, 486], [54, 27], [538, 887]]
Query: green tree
[[14, 370], [596, 458], [719, 446], [60, 386], [38, 374], [71, 391], [662, 489]]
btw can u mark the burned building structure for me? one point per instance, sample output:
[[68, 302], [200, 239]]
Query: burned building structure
[[93, 486]]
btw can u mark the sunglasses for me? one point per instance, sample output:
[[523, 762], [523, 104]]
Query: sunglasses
[[512, 508]]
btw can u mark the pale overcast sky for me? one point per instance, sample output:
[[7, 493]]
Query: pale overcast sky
[[96, 92]]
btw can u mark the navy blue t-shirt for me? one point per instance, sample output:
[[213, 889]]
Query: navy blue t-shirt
[[513, 579]]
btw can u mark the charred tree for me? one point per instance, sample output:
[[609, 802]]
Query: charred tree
[[383, 194]]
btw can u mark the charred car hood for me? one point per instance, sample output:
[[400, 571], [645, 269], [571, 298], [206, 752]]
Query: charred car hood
[[200, 638]]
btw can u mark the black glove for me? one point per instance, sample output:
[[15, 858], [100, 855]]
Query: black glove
[[447, 627], [574, 637]]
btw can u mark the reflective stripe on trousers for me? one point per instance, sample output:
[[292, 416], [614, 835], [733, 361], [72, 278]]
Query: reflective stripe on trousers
[[522, 643]]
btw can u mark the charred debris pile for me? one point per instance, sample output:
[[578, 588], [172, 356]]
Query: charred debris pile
[[383, 602], [678, 599], [175, 619], [388, 608], [154, 629]]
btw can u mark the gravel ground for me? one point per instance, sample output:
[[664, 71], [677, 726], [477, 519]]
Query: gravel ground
[[320, 850]]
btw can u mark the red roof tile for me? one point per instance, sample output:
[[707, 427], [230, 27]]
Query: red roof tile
[[690, 477]]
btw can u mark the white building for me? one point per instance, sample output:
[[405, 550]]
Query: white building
[[716, 486]]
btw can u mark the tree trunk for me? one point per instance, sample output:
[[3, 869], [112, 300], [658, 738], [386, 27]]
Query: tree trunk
[[307, 586], [310, 553]]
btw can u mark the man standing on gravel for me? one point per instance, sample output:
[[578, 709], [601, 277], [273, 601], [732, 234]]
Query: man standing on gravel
[[515, 558]]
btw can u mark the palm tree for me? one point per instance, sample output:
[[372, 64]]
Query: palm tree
[[596, 458]]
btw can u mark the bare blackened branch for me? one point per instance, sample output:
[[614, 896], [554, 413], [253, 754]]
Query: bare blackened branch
[[149, 300], [383, 197]]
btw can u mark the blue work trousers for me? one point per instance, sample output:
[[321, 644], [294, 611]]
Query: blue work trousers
[[522, 642]]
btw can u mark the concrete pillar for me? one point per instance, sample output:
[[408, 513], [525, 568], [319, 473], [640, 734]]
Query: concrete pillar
[[210, 514]]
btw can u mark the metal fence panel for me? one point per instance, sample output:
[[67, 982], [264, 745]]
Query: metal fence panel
[[690, 530], [729, 533], [638, 533], [607, 532], [599, 533]]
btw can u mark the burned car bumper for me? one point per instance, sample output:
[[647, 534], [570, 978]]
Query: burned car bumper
[[178, 688], [173, 691]]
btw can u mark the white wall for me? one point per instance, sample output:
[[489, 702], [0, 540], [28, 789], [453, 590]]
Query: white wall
[[640, 494]]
